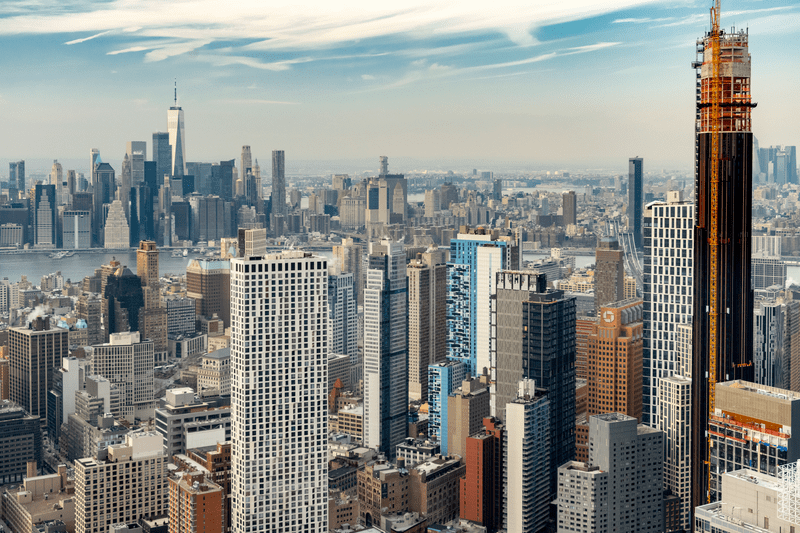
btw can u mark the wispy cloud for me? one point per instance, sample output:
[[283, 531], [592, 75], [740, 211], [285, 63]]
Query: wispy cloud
[[367, 77], [255, 101], [95, 36]]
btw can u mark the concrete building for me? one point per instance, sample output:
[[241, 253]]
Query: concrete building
[[20, 442], [214, 376], [67, 380], [89, 307], [215, 463], [349, 258], [620, 488], [535, 339], [124, 483], [427, 319], [45, 218], [433, 489], [760, 414], [668, 291], [278, 183], [185, 422], [476, 256], [443, 379], [675, 411], [196, 504], [128, 363], [116, 228], [527, 459], [252, 242], [467, 407], [34, 351], [209, 283], [76, 230], [481, 489], [343, 324], [382, 490], [295, 415], [570, 208], [771, 344], [415, 451], [181, 315], [41, 499], [609, 276], [385, 348], [768, 271]]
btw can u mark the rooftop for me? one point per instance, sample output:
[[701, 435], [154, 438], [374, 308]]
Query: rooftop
[[775, 392], [756, 478]]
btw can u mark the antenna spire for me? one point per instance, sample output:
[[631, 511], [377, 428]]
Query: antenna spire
[[176, 92]]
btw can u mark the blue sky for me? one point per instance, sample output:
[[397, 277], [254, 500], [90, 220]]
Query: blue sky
[[567, 84]]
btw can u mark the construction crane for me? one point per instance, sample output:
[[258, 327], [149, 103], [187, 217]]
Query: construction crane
[[715, 124]]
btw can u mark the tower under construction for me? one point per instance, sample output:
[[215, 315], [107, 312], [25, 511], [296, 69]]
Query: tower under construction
[[723, 298]]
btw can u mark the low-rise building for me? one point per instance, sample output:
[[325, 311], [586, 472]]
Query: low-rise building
[[214, 377], [433, 488], [41, 499], [20, 442], [342, 510], [382, 490], [186, 422], [196, 504], [415, 451]]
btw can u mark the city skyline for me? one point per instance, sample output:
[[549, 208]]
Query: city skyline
[[346, 81]]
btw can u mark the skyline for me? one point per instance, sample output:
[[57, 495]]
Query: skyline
[[429, 83]]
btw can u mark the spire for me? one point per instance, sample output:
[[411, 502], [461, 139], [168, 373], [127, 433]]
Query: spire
[[176, 92]]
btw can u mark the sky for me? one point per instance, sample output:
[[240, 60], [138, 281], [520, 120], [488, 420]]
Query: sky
[[564, 84]]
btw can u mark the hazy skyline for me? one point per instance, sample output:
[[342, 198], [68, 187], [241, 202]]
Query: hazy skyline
[[584, 82]]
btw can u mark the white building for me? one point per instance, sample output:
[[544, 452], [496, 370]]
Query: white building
[[279, 355], [123, 483], [385, 319], [117, 231], [185, 422], [128, 363], [668, 274], [675, 395], [526, 461], [214, 376]]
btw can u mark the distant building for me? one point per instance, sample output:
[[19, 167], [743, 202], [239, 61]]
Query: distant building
[[181, 315], [467, 407], [609, 277], [635, 199], [209, 283], [570, 207], [77, 230]]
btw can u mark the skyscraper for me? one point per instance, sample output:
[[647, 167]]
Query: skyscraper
[[535, 339], [385, 348], [44, 216], [153, 317], [635, 199], [343, 320], [177, 138], [162, 156], [349, 256], [137, 153], [103, 192], [609, 277], [723, 298], [278, 400], [427, 325], [16, 175], [668, 252], [128, 361], [569, 207], [443, 379], [278, 183]]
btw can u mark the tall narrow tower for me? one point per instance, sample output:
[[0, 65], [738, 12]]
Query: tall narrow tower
[[723, 298], [177, 138], [278, 183], [635, 199]]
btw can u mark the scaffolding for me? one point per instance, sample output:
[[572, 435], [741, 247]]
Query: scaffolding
[[789, 493]]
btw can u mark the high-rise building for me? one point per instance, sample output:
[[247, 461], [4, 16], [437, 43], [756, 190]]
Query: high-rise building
[[196, 504], [123, 299], [443, 379], [116, 229], [20, 442], [771, 362], [137, 154], [44, 216], [476, 256], [620, 488], [570, 208], [89, 307], [609, 276], [467, 407], [385, 347], [427, 319], [674, 417], [723, 297], [209, 283], [16, 175], [343, 322], [128, 362], [104, 496], [34, 351], [61, 398], [668, 253], [482, 487], [181, 315], [288, 462], [162, 155], [153, 318], [177, 139], [535, 339], [104, 190], [77, 230], [186, 422], [527, 459], [349, 258], [252, 242], [278, 183], [433, 203], [635, 199]]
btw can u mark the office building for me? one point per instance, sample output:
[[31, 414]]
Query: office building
[[349, 257], [209, 283], [185, 422], [104, 188], [768, 271], [527, 459], [385, 347], [214, 376], [467, 407], [570, 207], [123, 299], [433, 203], [675, 396], [414, 451], [635, 199], [16, 175], [20, 442], [609, 276], [89, 308], [153, 318], [122, 483], [535, 339], [44, 216], [382, 490], [196, 504], [162, 155], [771, 358], [433, 488], [177, 139], [620, 488], [343, 323], [181, 315], [116, 229], [443, 379], [723, 298], [128, 362], [77, 230], [427, 319], [476, 256], [67, 380], [278, 183], [668, 288], [481, 489], [252, 242], [288, 462], [34, 351]]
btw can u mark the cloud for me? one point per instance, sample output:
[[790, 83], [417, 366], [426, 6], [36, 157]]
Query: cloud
[[95, 36], [256, 101], [367, 77]]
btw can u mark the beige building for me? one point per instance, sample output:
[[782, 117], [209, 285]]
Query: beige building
[[342, 509], [214, 376], [382, 489], [350, 421], [128, 363], [466, 409], [117, 231], [121, 484], [41, 499], [348, 257], [433, 489]]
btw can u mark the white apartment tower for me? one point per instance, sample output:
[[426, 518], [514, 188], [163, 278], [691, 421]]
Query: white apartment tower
[[385, 348], [279, 356], [668, 251]]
